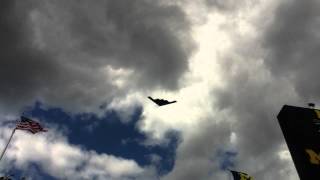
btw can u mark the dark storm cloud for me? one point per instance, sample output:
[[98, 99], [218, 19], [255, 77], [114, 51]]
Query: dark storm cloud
[[22, 69], [156, 50], [145, 36], [293, 41], [56, 51]]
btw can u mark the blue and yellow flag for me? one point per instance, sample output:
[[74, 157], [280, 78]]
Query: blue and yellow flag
[[240, 176]]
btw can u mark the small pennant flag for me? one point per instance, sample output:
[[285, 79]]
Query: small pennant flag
[[29, 125], [240, 176]]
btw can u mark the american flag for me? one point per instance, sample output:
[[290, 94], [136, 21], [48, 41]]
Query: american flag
[[29, 125]]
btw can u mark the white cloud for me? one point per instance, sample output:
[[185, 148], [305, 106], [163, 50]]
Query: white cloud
[[228, 98], [229, 101], [62, 160], [194, 101]]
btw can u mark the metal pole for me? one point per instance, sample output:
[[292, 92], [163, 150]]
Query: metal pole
[[14, 130]]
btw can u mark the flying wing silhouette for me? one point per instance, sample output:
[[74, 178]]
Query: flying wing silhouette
[[161, 102]]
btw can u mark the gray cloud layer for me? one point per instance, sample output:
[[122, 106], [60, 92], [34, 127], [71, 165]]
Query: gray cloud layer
[[261, 72], [278, 67], [56, 51], [293, 41]]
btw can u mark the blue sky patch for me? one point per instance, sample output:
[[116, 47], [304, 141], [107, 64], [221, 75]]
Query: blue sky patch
[[111, 136], [226, 159]]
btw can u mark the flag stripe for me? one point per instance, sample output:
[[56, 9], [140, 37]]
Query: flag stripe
[[29, 125]]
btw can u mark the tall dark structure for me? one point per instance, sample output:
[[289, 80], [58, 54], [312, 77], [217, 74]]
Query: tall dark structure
[[301, 130]]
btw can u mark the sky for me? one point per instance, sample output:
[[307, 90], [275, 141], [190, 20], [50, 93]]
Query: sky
[[84, 69]]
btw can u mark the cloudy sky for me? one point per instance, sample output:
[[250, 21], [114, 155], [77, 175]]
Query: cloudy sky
[[84, 70]]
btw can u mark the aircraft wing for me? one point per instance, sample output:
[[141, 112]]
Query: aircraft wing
[[161, 102]]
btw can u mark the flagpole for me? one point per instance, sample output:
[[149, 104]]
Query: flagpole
[[14, 130]]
